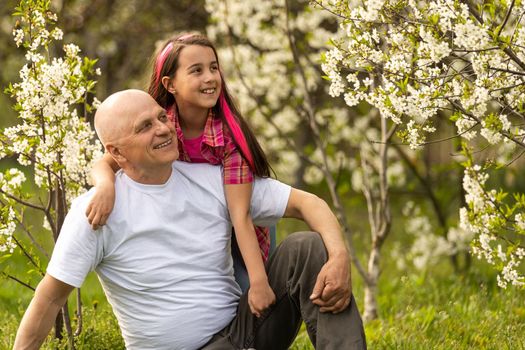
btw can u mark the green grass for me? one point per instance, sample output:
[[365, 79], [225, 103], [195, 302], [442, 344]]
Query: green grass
[[438, 309], [443, 312], [448, 313]]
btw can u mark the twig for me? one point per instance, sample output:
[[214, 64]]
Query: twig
[[17, 280], [507, 16]]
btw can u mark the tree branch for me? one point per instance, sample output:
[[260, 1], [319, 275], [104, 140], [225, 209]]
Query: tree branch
[[21, 201], [507, 16], [17, 280], [28, 256], [309, 106]]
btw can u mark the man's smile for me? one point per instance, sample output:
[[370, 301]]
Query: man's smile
[[164, 144]]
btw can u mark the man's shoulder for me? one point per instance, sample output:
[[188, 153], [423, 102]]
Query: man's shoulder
[[82, 201], [199, 173], [185, 167]]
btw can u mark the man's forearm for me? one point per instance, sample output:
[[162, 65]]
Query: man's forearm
[[36, 324], [333, 288], [41, 313], [317, 214]]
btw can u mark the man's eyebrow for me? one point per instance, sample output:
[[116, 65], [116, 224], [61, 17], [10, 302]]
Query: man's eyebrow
[[140, 124]]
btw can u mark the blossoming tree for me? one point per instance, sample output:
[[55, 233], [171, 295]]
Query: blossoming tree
[[270, 64], [271, 55], [412, 59], [52, 139]]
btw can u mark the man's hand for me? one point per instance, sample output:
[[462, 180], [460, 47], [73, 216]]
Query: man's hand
[[260, 297], [333, 287], [101, 205]]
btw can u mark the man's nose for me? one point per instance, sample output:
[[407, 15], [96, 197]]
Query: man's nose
[[162, 128]]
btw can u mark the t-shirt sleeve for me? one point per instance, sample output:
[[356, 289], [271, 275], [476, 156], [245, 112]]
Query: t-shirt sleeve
[[77, 250], [269, 201]]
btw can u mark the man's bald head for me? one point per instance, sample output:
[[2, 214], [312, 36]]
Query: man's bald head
[[114, 116]]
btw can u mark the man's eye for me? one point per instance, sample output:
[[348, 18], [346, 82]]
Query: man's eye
[[145, 127], [196, 70]]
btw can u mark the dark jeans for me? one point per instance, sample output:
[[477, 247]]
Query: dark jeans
[[292, 272]]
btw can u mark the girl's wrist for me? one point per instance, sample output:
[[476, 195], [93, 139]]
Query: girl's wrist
[[260, 281]]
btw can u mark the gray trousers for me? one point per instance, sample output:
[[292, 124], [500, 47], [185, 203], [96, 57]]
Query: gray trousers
[[292, 271]]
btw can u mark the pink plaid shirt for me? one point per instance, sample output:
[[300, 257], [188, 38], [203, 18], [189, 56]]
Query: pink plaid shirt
[[218, 147]]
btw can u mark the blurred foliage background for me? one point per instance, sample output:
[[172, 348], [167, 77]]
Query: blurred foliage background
[[439, 306]]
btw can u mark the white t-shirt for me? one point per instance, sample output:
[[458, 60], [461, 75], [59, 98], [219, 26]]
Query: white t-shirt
[[163, 257]]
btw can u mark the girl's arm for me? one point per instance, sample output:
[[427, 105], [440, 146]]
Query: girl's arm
[[260, 294], [101, 204]]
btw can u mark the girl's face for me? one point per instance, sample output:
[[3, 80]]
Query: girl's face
[[197, 82]]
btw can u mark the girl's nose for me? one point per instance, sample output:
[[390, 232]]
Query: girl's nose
[[209, 76]]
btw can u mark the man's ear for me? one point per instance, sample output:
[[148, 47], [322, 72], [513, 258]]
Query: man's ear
[[167, 82], [115, 152]]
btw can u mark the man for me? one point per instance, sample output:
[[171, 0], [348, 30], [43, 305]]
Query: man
[[163, 256]]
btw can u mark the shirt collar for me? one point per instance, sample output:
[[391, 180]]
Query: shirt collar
[[212, 134]]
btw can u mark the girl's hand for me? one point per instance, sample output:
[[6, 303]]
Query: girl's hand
[[260, 297], [101, 205]]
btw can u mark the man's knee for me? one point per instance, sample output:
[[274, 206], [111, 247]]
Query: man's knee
[[306, 242]]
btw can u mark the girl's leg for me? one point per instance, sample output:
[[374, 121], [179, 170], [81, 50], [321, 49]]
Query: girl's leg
[[239, 270]]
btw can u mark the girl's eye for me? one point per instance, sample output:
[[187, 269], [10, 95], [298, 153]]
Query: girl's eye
[[163, 118], [214, 68]]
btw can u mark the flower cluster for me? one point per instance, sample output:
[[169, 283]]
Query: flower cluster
[[414, 59], [427, 247], [50, 136], [258, 61], [7, 228], [486, 217], [424, 64]]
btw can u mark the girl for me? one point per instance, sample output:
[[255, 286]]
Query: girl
[[188, 83]]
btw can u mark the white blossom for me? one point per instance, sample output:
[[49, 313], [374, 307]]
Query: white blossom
[[19, 36], [7, 228], [48, 136], [470, 36]]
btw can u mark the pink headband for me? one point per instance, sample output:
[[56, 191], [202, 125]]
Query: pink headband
[[184, 37], [161, 59]]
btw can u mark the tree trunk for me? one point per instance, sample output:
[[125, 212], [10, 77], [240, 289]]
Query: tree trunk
[[370, 311], [67, 324], [59, 325]]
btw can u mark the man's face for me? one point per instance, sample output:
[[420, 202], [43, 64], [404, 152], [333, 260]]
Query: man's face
[[149, 140]]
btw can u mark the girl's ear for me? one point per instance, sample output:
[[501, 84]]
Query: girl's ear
[[168, 84]]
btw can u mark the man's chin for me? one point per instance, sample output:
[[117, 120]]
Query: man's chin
[[174, 157]]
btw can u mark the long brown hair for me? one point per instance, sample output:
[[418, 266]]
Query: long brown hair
[[166, 62]]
